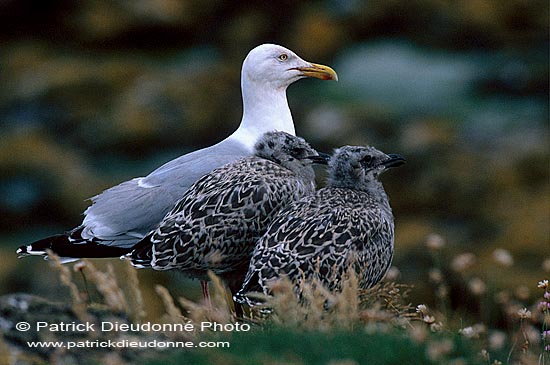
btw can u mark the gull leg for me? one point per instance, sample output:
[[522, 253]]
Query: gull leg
[[205, 294], [238, 310]]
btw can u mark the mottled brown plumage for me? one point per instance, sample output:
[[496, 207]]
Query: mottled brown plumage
[[348, 224], [217, 222]]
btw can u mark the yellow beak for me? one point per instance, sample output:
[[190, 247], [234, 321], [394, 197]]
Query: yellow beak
[[319, 71]]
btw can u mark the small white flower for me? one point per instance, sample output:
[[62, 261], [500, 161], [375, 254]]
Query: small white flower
[[473, 331], [429, 319], [421, 308], [524, 313], [543, 284], [467, 332]]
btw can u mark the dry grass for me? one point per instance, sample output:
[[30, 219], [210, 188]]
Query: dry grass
[[323, 310], [318, 309], [383, 308]]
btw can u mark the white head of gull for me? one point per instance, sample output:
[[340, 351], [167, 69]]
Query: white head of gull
[[267, 72]]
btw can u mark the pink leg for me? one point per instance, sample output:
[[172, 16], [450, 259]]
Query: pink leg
[[205, 294]]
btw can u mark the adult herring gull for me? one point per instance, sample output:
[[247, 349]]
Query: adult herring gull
[[121, 216]]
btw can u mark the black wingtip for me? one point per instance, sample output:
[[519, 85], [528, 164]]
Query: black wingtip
[[38, 248], [65, 247]]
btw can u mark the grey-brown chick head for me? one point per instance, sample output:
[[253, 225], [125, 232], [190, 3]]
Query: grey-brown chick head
[[289, 151], [357, 167]]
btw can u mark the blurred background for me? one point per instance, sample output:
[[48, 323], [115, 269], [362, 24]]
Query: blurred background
[[96, 92]]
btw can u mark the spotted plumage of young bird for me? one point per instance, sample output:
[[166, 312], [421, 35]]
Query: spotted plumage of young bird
[[217, 222], [347, 224]]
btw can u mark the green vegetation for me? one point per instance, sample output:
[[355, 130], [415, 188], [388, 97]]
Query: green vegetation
[[285, 346]]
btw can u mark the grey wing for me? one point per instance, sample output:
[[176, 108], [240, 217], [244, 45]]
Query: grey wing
[[125, 213]]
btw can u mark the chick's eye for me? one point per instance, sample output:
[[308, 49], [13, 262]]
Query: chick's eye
[[283, 57], [366, 160], [297, 150]]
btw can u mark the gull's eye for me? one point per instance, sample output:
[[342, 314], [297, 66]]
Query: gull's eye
[[283, 57]]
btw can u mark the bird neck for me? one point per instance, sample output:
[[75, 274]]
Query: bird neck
[[373, 188], [378, 193], [264, 110]]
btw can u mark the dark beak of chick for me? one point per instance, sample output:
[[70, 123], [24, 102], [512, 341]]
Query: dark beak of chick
[[394, 160], [321, 159]]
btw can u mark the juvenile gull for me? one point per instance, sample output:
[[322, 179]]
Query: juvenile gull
[[219, 219], [121, 216], [348, 224]]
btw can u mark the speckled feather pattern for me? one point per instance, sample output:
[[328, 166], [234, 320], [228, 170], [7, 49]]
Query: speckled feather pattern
[[321, 236], [347, 225], [217, 222]]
